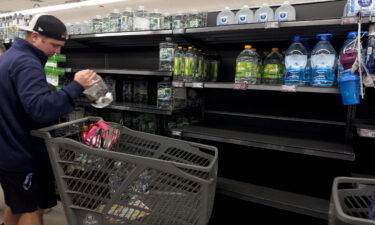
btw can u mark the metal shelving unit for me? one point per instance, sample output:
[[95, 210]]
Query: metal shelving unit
[[128, 72], [297, 203], [132, 107], [272, 142], [280, 88]]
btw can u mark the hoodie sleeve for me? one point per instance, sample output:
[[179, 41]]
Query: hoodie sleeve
[[42, 104]]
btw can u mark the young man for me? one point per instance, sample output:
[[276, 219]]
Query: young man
[[27, 103]]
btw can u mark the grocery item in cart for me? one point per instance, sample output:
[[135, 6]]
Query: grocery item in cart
[[101, 135], [99, 94]]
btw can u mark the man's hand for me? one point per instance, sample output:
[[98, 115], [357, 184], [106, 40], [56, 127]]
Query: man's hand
[[86, 78]]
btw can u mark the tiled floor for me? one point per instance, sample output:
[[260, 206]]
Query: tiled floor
[[54, 217]]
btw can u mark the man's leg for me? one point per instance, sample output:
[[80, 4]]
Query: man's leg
[[9, 217], [33, 218]]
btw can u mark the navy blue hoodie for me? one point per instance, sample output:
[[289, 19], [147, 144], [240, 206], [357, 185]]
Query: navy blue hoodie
[[27, 103]]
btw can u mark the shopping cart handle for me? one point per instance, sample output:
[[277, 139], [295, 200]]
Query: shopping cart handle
[[45, 132]]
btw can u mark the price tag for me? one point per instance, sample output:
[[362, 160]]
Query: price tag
[[349, 20], [272, 24], [179, 31], [288, 88], [240, 86], [197, 85], [177, 84], [176, 132], [366, 133]]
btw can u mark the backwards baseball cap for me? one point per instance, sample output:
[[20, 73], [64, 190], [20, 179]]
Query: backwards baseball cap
[[47, 25]]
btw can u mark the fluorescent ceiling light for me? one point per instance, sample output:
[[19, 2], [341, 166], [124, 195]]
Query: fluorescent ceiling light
[[63, 7]]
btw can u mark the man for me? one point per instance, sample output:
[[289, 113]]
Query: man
[[27, 103]]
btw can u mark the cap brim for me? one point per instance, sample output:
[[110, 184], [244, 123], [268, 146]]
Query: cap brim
[[25, 28]]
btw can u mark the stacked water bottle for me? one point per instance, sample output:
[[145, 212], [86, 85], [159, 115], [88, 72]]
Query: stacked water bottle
[[285, 12], [354, 7], [138, 20], [188, 64], [9, 27]]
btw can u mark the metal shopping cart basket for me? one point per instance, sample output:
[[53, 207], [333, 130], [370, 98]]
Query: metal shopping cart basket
[[143, 179], [350, 201]]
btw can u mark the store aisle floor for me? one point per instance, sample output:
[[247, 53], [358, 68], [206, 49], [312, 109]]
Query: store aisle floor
[[54, 217]]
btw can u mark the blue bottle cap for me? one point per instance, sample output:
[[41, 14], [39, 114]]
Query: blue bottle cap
[[324, 37], [297, 38], [352, 35]]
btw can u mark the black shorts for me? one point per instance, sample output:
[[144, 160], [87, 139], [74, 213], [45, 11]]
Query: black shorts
[[25, 192]]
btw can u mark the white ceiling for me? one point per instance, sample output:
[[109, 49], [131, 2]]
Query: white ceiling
[[171, 6]]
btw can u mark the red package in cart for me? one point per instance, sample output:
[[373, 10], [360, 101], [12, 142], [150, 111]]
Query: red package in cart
[[101, 135]]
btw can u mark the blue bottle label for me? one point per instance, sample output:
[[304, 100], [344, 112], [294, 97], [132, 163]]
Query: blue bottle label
[[323, 77], [295, 77], [262, 17], [283, 16], [224, 20], [242, 19], [364, 3]]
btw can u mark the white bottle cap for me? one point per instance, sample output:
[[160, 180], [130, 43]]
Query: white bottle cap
[[179, 12], [194, 11], [245, 6], [116, 11], [128, 9], [141, 7], [156, 10], [98, 16], [286, 3], [227, 8], [265, 4]]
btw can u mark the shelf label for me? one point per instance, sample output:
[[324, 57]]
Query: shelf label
[[349, 20], [179, 31], [366, 133], [272, 24], [177, 84], [288, 88], [240, 86], [197, 85], [176, 132]]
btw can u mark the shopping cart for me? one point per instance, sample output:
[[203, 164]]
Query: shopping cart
[[351, 201], [143, 179]]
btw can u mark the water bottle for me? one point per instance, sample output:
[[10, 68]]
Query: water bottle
[[200, 66], [99, 94], [117, 178], [323, 62], [244, 15], [365, 7], [165, 95], [106, 24], [96, 24], [168, 21], [114, 21], [85, 27], [167, 53], [273, 67], [194, 19], [370, 51], [141, 19], [225, 17], [156, 20], [259, 63], [295, 62], [308, 70], [178, 20], [285, 12], [178, 64], [264, 14], [126, 20], [189, 65], [246, 66]]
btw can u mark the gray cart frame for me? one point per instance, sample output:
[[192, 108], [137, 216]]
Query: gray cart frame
[[182, 178]]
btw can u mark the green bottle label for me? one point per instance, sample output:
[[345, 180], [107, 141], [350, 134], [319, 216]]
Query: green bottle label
[[177, 66], [214, 70], [164, 94], [272, 71], [166, 54], [189, 66], [200, 68], [245, 69]]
